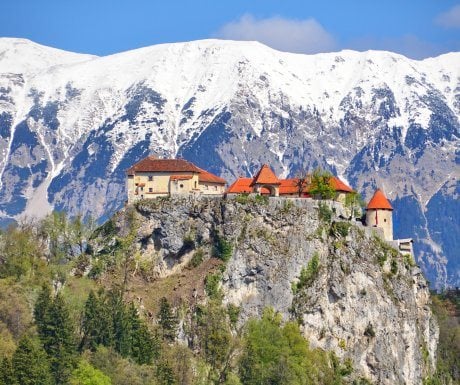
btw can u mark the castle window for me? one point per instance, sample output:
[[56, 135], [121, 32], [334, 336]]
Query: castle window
[[181, 185], [150, 178], [142, 189], [150, 189], [385, 220]]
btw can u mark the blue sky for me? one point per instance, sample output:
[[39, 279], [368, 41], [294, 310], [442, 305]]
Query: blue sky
[[415, 28]]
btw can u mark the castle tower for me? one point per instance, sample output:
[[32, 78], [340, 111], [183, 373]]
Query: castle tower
[[379, 213], [266, 179]]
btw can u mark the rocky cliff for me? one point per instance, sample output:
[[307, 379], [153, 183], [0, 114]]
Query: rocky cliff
[[350, 291]]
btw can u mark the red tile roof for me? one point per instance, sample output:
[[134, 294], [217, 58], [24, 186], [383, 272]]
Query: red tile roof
[[338, 185], [290, 187], [240, 186], [286, 186], [379, 201], [207, 177], [265, 176], [153, 164]]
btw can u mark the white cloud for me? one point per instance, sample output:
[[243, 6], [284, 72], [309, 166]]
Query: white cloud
[[451, 18], [302, 36]]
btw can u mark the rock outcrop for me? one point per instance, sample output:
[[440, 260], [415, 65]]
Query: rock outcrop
[[350, 291]]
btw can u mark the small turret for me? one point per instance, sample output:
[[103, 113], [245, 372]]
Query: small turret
[[379, 213], [266, 179]]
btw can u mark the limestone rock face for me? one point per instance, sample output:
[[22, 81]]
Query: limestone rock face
[[351, 292]]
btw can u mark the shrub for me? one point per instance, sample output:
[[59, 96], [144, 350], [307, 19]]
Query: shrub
[[340, 228], [409, 260], [223, 249], [347, 367], [324, 213], [97, 269], [196, 259], [381, 258], [287, 206], [233, 313], [308, 273], [261, 199], [212, 286], [394, 267], [242, 198]]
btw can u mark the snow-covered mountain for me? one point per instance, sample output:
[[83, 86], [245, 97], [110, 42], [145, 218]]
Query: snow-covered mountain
[[70, 124]]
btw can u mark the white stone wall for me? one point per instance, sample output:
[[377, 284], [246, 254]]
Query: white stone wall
[[383, 219]]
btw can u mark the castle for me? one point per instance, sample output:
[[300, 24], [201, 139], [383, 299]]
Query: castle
[[153, 177]]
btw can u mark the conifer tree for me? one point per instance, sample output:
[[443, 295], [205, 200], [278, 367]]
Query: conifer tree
[[59, 342], [56, 333], [165, 374], [30, 364], [6, 373], [143, 347], [90, 325], [97, 322], [42, 310], [121, 324], [167, 320]]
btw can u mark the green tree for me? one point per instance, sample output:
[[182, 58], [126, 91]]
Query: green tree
[[276, 354], [121, 323], [90, 323], [97, 323], [30, 363], [7, 376], [108, 321], [79, 233], [53, 228], [264, 348], [56, 331], [167, 320], [143, 346], [60, 342], [355, 203], [213, 329], [86, 374], [15, 312], [122, 371], [42, 309], [165, 374], [321, 184], [20, 252], [446, 308]]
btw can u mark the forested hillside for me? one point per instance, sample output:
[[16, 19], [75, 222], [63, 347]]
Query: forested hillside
[[61, 323]]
